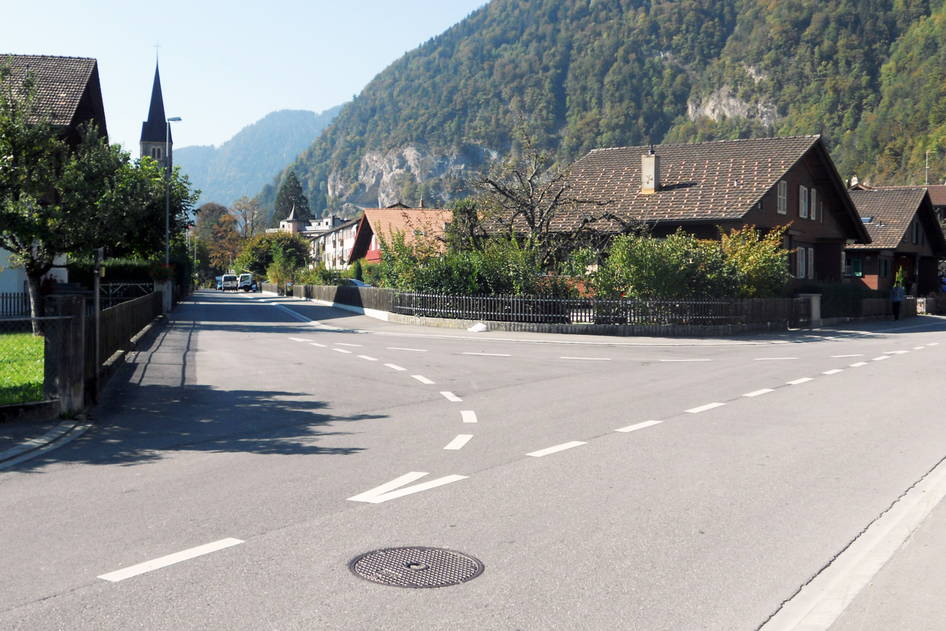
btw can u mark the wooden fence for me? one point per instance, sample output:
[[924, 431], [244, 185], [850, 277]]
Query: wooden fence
[[117, 326]]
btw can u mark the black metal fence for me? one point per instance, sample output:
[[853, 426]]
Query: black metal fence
[[14, 304], [539, 310]]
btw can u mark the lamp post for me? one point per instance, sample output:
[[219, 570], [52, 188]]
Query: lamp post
[[167, 189]]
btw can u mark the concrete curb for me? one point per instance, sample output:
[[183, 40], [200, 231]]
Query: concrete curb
[[63, 433]]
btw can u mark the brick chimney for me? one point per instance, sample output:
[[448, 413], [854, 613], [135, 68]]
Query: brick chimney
[[650, 172]]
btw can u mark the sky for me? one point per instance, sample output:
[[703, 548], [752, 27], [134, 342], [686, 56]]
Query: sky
[[225, 64]]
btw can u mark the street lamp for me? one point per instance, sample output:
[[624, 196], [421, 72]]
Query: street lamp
[[167, 189]]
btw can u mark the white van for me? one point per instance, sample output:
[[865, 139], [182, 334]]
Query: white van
[[229, 282], [246, 282]]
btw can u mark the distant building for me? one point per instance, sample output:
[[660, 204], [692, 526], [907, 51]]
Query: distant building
[[156, 141], [332, 247]]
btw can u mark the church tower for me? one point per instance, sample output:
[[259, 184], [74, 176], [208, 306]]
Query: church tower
[[155, 136]]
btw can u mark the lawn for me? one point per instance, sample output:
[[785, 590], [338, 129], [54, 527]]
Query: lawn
[[21, 368]]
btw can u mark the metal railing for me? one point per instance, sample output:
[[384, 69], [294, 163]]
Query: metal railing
[[14, 304], [117, 326]]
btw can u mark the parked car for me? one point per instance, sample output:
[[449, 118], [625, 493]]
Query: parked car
[[219, 283], [230, 282], [354, 282], [246, 282]]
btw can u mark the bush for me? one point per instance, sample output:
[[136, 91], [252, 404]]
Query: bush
[[757, 264], [319, 275], [260, 251]]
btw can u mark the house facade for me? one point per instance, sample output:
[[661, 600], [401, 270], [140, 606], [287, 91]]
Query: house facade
[[707, 187], [332, 246], [905, 235], [414, 224]]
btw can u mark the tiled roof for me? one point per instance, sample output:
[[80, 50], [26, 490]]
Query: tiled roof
[[387, 221], [937, 194], [707, 181], [890, 211], [60, 82]]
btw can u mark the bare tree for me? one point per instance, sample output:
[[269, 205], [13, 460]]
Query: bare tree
[[251, 219]]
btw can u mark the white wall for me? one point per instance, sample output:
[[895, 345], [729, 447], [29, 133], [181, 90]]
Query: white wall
[[12, 280]]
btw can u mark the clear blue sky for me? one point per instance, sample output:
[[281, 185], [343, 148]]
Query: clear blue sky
[[226, 64]]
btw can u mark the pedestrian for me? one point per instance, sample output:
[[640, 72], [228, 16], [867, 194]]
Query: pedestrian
[[897, 294]]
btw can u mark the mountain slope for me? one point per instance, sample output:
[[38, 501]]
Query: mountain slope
[[243, 164]]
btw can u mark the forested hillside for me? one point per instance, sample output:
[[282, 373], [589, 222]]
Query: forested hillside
[[577, 74], [243, 164]]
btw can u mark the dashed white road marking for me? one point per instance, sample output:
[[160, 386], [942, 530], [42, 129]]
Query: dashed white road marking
[[347, 344], [918, 348], [489, 354], [686, 360], [773, 359], [637, 426], [833, 371], [932, 343], [555, 449], [449, 396], [881, 358], [459, 442], [411, 350], [368, 358], [589, 359], [849, 355], [799, 381], [342, 350], [424, 380], [395, 367], [317, 344], [896, 352], [757, 393], [858, 364], [300, 339], [170, 559], [392, 490], [468, 416], [704, 408]]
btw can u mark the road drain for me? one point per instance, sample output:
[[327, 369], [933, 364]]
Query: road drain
[[416, 567]]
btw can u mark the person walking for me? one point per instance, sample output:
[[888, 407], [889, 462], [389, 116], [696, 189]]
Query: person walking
[[897, 294]]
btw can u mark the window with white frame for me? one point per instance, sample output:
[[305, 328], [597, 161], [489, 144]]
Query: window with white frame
[[814, 204], [781, 206], [802, 202], [811, 263]]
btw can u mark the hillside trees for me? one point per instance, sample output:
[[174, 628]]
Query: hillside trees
[[289, 197]]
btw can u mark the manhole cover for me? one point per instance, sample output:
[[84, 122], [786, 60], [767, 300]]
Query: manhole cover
[[416, 567]]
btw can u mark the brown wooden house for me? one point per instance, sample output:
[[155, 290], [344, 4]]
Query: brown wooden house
[[711, 186], [383, 223], [905, 234]]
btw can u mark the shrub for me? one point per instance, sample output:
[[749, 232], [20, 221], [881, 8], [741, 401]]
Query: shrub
[[757, 264]]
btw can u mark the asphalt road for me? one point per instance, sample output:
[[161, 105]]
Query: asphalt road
[[605, 483]]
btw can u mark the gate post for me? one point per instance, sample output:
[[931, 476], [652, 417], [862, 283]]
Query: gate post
[[65, 352]]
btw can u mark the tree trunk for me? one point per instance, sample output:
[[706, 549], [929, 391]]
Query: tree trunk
[[33, 280]]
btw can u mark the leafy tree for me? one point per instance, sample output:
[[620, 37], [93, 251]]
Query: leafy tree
[[757, 263], [252, 219], [283, 268], [290, 196], [225, 243], [208, 215], [258, 253]]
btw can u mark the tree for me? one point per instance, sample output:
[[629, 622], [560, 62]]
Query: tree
[[207, 217], [225, 243], [290, 196], [56, 198], [250, 216], [258, 253]]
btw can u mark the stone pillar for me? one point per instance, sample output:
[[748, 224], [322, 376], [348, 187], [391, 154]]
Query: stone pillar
[[815, 301], [65, 353]]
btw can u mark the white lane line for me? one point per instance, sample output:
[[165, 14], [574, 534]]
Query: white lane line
[[799, 381], [895, 352], [881, 358], [822, 600], [346, 344], [458, 442], [637, 426], [489, 354], [342, 350], [317, 344], [555, 449], [424, 380], [368, 358], [449, 396], [833, 371], [849, 355], [412, 350], [300, 339], [686, 360], [395, 367], [918, 348], [703, 408], [392, 490], [932, 343], [858, 364], [468, 416], [756, 393], [589, 359], [773, 359], [170, 559]]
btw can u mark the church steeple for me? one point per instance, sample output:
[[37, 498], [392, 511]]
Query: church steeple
[[155, 136]]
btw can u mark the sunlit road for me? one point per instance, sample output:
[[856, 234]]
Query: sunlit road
[[257, 445]]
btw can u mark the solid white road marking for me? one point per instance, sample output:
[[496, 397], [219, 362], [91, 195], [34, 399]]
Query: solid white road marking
[[822, 600], [799, 381], [392, 490], [773, 359], [918, 348], [555, 449], [932, 343], [686, 360], [833, 371], [590, 359], [395, 367], [368, 358], [300, 339], [858, 364], [895, 352], [849, 355], [458, 442], [881, 358], [489, 354], [342, 350], [412, 350], [171, 559], [756, 393], [637, 426], [449, 396], [317, 344], [346, 344], [703, 408], [424, 380], [468, 416]]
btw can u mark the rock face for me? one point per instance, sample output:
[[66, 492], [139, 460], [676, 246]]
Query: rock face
[[722, 103], [408, 174]]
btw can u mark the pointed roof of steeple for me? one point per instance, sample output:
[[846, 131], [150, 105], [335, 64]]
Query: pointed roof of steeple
[[154, 129]]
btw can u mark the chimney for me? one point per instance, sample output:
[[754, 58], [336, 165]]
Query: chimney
[[650, 172]]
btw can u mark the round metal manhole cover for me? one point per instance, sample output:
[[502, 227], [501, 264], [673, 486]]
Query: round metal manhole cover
[[416, 567]]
